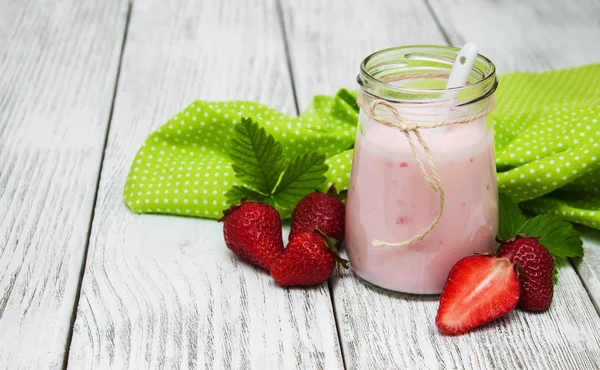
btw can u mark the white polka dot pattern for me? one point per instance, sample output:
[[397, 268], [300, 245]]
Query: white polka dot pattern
[[547, 133], [184, 168]]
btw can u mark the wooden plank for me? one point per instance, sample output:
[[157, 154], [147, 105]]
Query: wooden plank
[[382, 331], [525, 35], [59, 62], [165, 292], [329, 39], [588, 267]]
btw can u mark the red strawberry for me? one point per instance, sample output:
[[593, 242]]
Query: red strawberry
[[325, 212], [537, 265], [252, 231], [479, 289], [309, 259]]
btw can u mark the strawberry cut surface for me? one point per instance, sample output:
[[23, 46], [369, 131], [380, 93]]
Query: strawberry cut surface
[[479, 289]]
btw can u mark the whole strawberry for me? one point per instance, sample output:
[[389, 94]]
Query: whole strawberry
[[309, 259], [479, 289], [252, 230], [325, 212], [537, 275]]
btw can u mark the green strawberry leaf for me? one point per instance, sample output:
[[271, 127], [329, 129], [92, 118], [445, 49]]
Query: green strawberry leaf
[[559, 236], [510, 217], [256, 157], [237, 193], [302, 176]]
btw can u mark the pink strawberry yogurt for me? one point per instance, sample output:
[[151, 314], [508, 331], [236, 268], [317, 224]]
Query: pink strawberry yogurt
[[388, 199]]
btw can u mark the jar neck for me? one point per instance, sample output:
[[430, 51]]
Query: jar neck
[[413, 80]]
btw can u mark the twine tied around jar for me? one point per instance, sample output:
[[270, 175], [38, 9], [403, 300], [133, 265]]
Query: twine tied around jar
[[410, 129]]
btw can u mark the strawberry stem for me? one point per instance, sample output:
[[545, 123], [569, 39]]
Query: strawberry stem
[[332, 247], [230, 210], [332, 192]]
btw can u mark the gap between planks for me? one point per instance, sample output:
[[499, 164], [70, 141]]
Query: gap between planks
[[89, 229], [437, 22], [295, 94]]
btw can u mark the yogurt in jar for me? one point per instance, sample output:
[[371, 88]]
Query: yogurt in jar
[[388, 199]]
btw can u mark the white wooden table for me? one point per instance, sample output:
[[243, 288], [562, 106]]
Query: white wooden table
[[86, 284]]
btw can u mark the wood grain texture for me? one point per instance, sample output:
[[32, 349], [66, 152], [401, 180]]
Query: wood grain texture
[[380, 331], [165, 292], [588, 267], [525, 35], [329, 39], [58, 63]]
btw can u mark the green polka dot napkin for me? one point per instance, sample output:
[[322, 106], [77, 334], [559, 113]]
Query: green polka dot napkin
[[547, 147], [183, 168], [547, 132]]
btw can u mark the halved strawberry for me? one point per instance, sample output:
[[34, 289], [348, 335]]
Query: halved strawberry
[[479, 289]]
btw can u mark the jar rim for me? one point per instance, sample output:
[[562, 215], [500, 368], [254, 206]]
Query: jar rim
[[481, 85]]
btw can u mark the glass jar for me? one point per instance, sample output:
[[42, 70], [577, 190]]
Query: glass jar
[[402, 233]]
